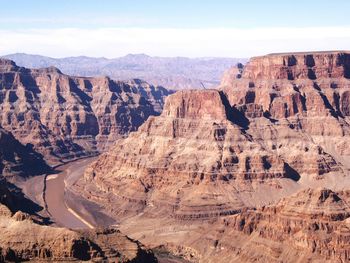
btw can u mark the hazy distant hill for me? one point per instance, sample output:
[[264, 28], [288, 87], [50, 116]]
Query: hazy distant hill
[[173, 73]]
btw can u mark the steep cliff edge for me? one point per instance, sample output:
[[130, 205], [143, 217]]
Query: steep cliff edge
[[309, 92], [292, 66], [65, 117], [213, 154]]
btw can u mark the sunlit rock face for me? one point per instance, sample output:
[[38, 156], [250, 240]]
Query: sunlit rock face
[[191, 178], [64, 117], [310, 225], [307, 92]]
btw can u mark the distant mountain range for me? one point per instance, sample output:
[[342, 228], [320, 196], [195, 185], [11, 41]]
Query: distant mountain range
[[170, 72]]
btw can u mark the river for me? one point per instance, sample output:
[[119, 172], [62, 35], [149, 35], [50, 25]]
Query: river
[[55, 190]]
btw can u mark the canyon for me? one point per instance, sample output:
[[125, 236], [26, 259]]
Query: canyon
[[63, 118], [254, 171], [48, 119], [27, 237]]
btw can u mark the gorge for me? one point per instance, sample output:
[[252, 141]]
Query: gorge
[[255, 170], [216, 165]]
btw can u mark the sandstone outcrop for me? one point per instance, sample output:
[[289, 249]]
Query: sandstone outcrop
[[64, 117], [275, 127]]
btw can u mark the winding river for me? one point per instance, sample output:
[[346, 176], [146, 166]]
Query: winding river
[[55, 191]]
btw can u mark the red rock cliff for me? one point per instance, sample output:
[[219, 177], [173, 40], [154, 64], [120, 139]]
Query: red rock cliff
[[299, 66], [64, 117], [199, 175]]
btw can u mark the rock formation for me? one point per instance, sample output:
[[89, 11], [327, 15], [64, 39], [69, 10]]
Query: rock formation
[[307, 92], [25, 237], [277, 126], [63, 117], [17, 159], [57, 244], [192, 150], [310, 226]]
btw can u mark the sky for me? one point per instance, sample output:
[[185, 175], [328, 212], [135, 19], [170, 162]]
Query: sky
[[192, 28]]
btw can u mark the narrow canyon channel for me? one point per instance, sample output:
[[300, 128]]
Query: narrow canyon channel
[[55, 191]]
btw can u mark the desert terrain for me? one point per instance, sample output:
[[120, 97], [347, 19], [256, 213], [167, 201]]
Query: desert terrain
[[255, 170]]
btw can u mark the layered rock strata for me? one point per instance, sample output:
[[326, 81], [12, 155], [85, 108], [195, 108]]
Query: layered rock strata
[[185, 161], [310, 226], [306, 92], [275, 127], [64, 117]]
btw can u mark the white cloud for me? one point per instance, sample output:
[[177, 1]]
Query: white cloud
[[91, 21], [113, 42]]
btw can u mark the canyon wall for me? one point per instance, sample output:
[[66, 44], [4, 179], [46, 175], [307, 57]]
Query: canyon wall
[[19, 160], [312, 225], [274, 128], [44, 243], [308, 92], [64, 117]]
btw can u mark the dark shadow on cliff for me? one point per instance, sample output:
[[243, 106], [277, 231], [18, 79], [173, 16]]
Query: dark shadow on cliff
[[233, 114], [24, 160], [13, 197], [326, 102], [268, 116], [344, 60], [291, 173]]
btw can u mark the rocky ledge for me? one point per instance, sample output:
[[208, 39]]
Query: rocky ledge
[[312, 225], [304, 65]]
